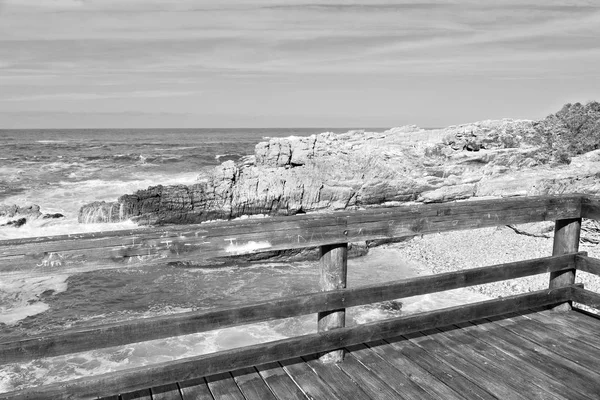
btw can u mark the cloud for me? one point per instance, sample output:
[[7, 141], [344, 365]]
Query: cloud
[[147, 94]]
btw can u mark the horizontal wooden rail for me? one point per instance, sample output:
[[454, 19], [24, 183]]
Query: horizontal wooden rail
[[95, 337], [85, 252], [204, 365], [586, 297], [590, 207], [587, 264]]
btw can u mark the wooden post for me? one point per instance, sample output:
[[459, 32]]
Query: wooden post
[[566, 240], [333, 272]]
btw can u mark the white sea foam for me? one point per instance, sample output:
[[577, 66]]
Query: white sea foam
[[20, 297]]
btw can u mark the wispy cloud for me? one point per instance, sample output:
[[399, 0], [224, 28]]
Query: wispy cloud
[[241, 51], [146, 94]]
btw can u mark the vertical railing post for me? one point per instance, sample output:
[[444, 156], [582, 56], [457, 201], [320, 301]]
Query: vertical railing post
[[333, 272], [566, 240]]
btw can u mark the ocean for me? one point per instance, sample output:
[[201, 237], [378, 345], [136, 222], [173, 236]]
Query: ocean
[[61, 170]]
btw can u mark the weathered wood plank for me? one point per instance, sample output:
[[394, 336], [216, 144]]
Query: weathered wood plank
[[589, 298], [532, 369], [223, 387], [280, 382], [73, 340], [166, 392], [574, 325], [386, 372], [310, 384], [206, 241], [516, 373], [566, 240], [143, 394], [438, 378], [333, 271], [251, 384], [565, 346], [195, 389], [461, 363], [588, 264], [375, 387], [558, 368], [590, 207], [340, 383], [209, 364]]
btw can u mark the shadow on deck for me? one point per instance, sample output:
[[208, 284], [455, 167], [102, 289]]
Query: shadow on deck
[[531, 355]]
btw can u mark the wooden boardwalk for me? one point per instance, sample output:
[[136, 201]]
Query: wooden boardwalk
[[532, 355]]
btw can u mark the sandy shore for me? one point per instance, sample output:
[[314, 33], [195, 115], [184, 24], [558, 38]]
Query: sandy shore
[[452, 251]]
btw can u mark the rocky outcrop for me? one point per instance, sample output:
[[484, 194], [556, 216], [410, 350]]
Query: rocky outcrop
[[358, 169], [16, 216]]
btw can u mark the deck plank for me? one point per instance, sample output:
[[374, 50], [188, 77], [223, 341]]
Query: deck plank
[[368, 381], [573, 323], [525, 371], [530, 370], [497, 362], [280, 382], [397, 379], [558, 342], [251, 384], [429, 372], [196, 389], [337, 380], [223, 387], [143, 394], [460, 362], [578, 378], [307, 380], [166, 392]]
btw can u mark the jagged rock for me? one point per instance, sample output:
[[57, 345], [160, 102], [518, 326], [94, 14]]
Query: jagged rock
[[29, 211], [358, 169], [53, 216], [447, 193], [16, 223]]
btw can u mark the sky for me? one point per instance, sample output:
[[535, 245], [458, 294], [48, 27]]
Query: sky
[[295, 63]]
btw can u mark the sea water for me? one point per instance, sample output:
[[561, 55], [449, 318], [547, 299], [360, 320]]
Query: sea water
[[61, 170]]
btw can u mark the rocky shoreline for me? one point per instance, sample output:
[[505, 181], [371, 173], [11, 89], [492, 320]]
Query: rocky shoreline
[[357, 169]]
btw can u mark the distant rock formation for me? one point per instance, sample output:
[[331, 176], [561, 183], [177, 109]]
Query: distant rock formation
[[356, 169], [16, 216]]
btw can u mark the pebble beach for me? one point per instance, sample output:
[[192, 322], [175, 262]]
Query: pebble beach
[[453, 251]]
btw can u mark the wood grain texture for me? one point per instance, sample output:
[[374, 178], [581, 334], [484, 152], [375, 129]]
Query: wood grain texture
[[461, 363], [560, 369], [341, 384], [590, 207], [223, 387], [209, 364], [251, 384], [333, 272], [195, 389], [195, 243], [166, 392], [280, 382], [516, 372], [589, 298], [566, 240], [438, 378], [310, 384], [73, 340], [588, 264], [398, 380]]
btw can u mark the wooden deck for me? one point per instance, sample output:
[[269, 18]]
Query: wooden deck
[[532, 355]]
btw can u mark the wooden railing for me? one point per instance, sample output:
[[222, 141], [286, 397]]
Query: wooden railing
[[331, 232]]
